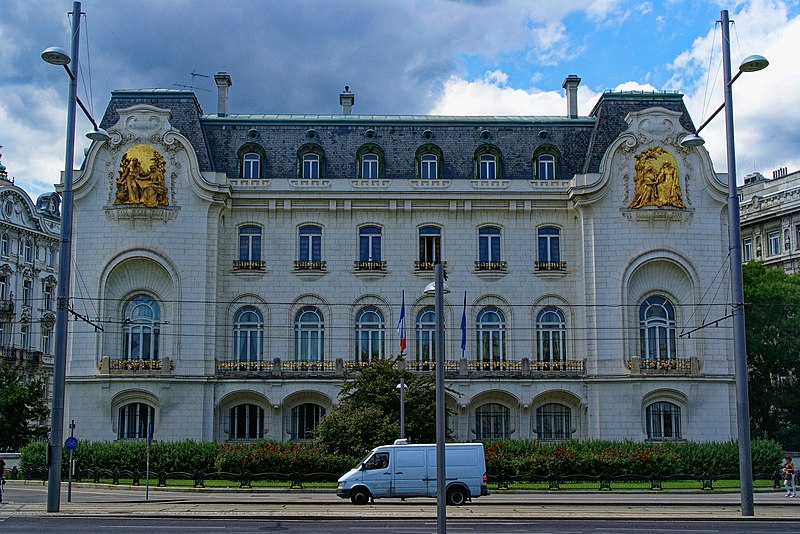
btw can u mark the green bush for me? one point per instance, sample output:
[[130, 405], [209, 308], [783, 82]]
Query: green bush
[[280, 457]]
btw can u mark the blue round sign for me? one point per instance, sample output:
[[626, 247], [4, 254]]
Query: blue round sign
[[71, 442]]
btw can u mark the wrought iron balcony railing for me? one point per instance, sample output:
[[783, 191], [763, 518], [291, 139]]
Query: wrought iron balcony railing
[[369, 265], [310, 265], [241, 265], [490, 266], [427, 265], [551, 266]]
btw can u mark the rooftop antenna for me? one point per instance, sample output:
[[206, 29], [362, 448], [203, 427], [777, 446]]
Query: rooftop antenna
[[191, 85]]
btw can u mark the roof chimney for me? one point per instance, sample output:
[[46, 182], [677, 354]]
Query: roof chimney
[[571, 83], [223, 80], [347, 99]]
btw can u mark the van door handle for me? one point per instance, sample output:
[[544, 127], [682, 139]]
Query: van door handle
[[387, 473], [398, 472]]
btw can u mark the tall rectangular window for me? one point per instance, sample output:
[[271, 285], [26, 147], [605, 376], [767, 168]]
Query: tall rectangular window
[[311, 166], [549, 249], [249, 243], [489, 244], [369, 166], [310, 243], [773, 243], [428, 167], [747, 249], [251, 166], [430, 243], [546, 167], [47, 296], [488, 167], [27, 292], [369, 244]]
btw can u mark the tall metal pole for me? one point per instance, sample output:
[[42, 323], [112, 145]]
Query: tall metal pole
[[441, 503], [402, 407], [737, 287], [62, 301]]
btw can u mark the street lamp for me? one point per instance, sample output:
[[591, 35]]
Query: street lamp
[[438, 288], [57, 56], [750, 64], [401, 366]]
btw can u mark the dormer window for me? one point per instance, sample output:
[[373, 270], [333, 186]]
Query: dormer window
[[311, 162], [252, 159], [545, 163], [311, 166], [370, 162], [251, 166], [429, 162], [487, 163]]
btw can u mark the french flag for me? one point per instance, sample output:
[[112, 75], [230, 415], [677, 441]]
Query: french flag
[[401, 324]]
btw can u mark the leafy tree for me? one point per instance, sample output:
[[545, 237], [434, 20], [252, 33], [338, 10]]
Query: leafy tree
[[22, 407], [368, 414], [772, 319]]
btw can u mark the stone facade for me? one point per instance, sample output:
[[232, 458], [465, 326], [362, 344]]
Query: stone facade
[[29, 238], [238, 277]]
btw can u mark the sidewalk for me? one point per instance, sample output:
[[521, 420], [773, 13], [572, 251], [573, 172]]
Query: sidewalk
[[95, 500]]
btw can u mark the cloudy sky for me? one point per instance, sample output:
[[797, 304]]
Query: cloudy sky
[[444, 57]]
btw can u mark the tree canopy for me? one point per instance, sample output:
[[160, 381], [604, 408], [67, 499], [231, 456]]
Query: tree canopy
[[22, 408], [772, 322], [368, 414]]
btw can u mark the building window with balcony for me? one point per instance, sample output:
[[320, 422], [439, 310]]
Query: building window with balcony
[[545, 163], [141, 329], [657, 329], [747, 249], [370, 335], [553, 422], [310, 249], [430, 247], [135, 420], [663, 421], [491, 330], [425, 330], [489, 250], [246, 422], [551, 336], [492, 421], [773, 243], [248, 335], [249, 248], [429, 162], [369, 244], [309, 335], [5, 245], [549, 244], [304, 419]]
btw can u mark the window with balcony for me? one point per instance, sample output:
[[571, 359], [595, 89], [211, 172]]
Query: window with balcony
[[657, 329], [369, 249], [492, 421], [429, 162], [773, 243], [551, 335], [309, 335], [304, 419], [135, 420], [141, 329], [310, 248], [553, 422], [549, 244], [425, 330], [663, 421], [370, 335], [249, 248], [246, 422], [491, 331], [430, 247], [489, 250], [248, 335]]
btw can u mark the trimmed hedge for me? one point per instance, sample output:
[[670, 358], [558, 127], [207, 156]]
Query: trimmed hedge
[[519, 460]]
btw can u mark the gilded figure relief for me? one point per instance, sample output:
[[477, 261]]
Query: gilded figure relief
[[141, 178], [656, 180]]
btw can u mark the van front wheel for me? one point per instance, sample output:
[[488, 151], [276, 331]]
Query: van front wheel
[[359, 496], [456, 496]]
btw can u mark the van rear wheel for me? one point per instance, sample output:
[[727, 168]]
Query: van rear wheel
[[359, 496], [456, 496]]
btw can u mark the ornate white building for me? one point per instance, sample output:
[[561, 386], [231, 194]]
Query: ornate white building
[[242, 265], [29, 237]]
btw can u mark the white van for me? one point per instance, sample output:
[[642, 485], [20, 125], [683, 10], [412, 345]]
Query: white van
[[404, 470]]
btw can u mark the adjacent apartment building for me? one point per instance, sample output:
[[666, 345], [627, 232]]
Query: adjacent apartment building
[[241, 266], [29, 238]]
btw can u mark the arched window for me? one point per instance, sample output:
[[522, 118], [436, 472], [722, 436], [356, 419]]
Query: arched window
[[491, 329], [663, 421], [135, 420], [304, 420], [370, 334], [311, 166], [251, 165], [553, 422], [248, 335], [489, 244], [545, 163], [246, 421], [429, 162], [369, 166], [551, 336], [141, 329], [250, 243], [425, 329], [487, 163], [370, 162], [492, 421], [309, 335], [657, 329]]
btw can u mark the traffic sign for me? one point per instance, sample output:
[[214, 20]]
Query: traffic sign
[[71, 443]]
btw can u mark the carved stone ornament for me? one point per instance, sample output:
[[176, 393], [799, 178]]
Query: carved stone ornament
[[656, 180], [141, 178]]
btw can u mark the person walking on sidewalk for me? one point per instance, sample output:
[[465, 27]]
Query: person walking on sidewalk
[[789, 477]]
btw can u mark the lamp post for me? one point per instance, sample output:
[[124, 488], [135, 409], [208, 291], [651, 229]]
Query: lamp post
[[439, 289], [750, 64], [57, 56], [401, 366]]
